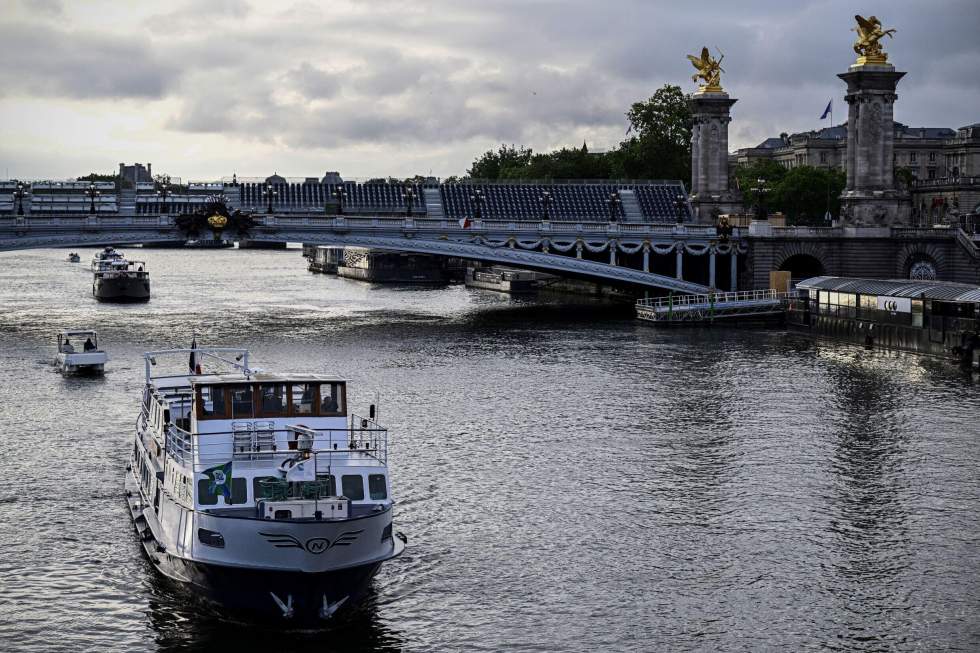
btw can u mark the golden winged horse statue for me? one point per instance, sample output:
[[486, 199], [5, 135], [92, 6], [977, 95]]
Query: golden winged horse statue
[[709, 69], [869, 35]]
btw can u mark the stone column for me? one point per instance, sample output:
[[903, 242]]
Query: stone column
[[870, 199], [578, 250], [646, 257], [680, 261], [709, 155], [612, 252], [711, 269]]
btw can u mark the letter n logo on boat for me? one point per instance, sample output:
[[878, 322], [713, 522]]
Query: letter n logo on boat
[[317, 545]]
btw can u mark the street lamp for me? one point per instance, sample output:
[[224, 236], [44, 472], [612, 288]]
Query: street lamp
[[19, 194], [680, 204], [477, 200], [341, 194], [545, 200], [269, 192], [760, 189], [162, 194], [615, 206], [409, 197], [92, 194]]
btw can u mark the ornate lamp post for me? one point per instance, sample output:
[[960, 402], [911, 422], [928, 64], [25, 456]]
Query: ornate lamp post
[[92, 194], [681, 206], [761, 189], [615, 206], [269, 192], [546, 201], [409, 196], [477, 200], [162, 194], [341, 194], [19, 194]]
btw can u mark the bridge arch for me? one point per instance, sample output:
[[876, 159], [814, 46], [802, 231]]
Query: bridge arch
[[921, 261], [802, 260]]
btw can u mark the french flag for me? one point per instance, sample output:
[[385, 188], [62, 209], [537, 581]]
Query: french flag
[[826, 112], [464, 223]]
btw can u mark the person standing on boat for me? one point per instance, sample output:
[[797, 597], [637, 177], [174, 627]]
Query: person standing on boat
[[89, 345], [68, 348]]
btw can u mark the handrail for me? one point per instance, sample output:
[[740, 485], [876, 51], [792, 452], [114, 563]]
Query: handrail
[[715, 299]]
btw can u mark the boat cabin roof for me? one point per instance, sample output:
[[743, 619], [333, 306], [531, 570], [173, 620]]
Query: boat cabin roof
[[262, 377], [77, 332], [939, 290]]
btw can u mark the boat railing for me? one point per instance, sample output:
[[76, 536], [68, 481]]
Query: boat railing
[[262, 447]]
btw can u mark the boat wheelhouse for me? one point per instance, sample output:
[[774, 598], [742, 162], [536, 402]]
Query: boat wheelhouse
[[263, 492], [79, 352]]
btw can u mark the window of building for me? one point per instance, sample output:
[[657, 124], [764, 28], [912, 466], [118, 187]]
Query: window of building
[[932, 157], [272, 399], [823, 157], [869, 302], [211, 402], [241, 401], [376, 486], [932, 173], [913, 157], [301, 399], [353, 486], [239, 492]]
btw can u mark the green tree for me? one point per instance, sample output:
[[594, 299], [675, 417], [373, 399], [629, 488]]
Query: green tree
[[806, 193], [658, 145], [747, 177], [495, 164]]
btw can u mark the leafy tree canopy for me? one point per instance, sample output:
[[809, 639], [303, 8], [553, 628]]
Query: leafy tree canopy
[[803, 194]]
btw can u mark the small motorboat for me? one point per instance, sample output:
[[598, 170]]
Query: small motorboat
[[85, 357], [73, 257]]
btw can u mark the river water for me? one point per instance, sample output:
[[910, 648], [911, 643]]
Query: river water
[[569, 479]]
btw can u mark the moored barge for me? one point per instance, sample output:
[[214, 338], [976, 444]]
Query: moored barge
[[930, 317]]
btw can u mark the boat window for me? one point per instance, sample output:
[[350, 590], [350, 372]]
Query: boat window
[[241, 401], [272, 398], [268, 487], [869, 302], [332, 399], [328, 485], [377, 487], [211, 402], [353, 486], [301, 399], [239, 489]]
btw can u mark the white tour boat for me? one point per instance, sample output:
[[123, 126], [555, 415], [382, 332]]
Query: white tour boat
[[260, 491], [79, 352]]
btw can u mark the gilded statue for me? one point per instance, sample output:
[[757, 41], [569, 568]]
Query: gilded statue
[[709, 69], [869, 35]]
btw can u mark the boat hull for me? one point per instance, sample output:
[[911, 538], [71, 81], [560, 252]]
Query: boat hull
[[121, 289]]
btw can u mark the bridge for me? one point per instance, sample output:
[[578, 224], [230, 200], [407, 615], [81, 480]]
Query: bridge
[[617, 253]]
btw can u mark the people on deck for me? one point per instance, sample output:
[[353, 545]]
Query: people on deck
[[89, 345], [68, 348]]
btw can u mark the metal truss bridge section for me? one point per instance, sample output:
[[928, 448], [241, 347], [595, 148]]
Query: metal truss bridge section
[[551, 246]]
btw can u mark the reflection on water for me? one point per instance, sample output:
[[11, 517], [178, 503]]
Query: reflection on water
[[570, 480]]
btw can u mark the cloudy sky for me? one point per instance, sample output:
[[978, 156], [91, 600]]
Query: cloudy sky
[[383, 87]]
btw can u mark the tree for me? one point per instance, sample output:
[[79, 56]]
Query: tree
[[806, 194], [659, 138], [494, 165], [95, 176], [747, 177]]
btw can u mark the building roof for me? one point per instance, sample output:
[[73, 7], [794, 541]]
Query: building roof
[[771, 143], [942, 290]]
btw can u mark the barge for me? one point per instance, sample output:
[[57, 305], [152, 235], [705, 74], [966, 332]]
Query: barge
[[928, 317]]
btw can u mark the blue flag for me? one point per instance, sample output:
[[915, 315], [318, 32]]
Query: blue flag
[[220, 479], [826, 112]]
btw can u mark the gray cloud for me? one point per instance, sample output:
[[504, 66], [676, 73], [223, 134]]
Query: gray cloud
[[458, 78], [46, 61]]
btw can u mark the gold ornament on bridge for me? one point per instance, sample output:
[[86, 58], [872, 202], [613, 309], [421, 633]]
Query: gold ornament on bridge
[[868, 44], [709, 70], [217, 222]]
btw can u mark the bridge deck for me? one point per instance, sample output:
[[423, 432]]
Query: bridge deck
[[713, 306]]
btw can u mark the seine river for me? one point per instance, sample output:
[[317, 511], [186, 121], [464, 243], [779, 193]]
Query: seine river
[[569, 479]]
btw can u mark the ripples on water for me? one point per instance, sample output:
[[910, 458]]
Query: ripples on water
[[569, 480]]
